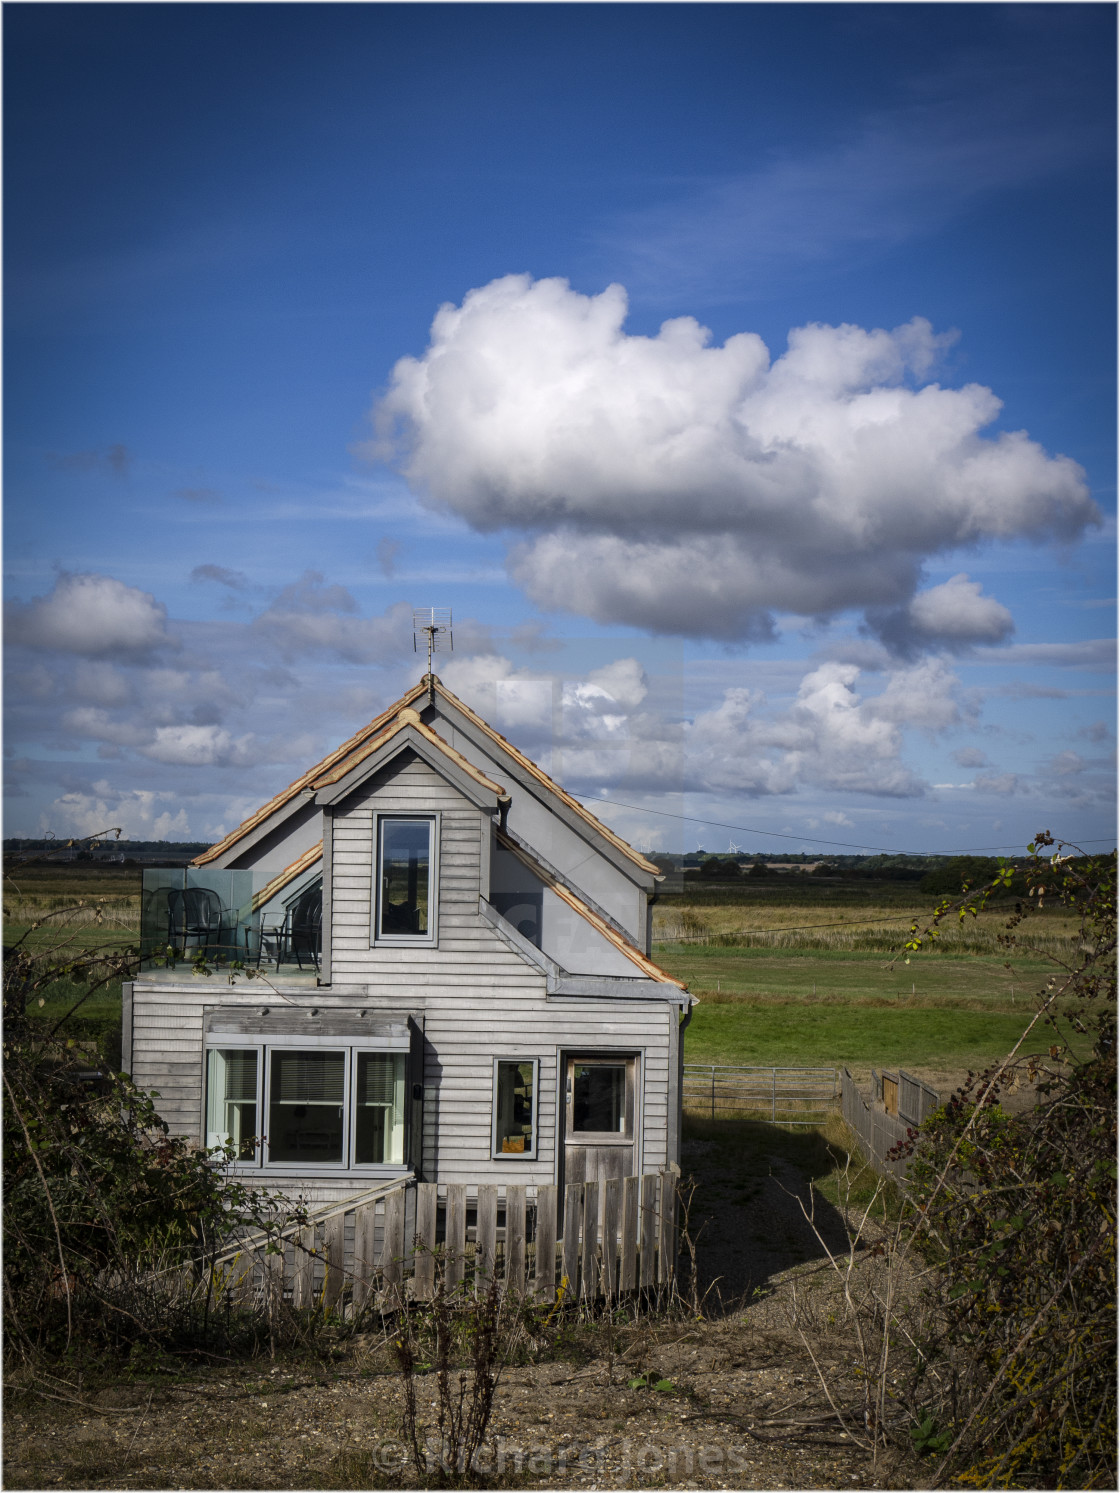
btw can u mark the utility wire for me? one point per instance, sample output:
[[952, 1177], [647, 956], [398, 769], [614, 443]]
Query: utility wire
[[812, 839]]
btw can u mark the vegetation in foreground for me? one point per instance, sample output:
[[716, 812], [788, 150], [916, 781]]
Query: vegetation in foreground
[[974, 1330]]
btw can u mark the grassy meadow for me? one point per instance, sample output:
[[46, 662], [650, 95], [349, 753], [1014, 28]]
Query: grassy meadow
[[792, 970], [801, 971]]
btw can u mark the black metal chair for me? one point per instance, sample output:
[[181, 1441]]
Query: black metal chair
[[305, 927], [194, 917]]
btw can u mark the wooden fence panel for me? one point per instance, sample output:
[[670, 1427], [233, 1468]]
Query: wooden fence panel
[[648, 1229], [455, 1242], [611, 1199], [617, 1235], [365, 1253], [302, 1273], [485, 1236], [334, 1251], [393, 1242], [424, 1268], [628, 1278], [573, 1201], [667, 1232], [544, 1281], [588, 1273], [515, 1238]]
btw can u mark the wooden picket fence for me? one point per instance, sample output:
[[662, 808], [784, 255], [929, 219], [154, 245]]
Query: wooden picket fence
[[388, 1245]]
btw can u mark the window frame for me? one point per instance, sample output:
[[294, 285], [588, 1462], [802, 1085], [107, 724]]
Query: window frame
[[406, 940], [496, 1152], [352, 1048]]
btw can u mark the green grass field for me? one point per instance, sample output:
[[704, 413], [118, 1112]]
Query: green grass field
[[790, 992]]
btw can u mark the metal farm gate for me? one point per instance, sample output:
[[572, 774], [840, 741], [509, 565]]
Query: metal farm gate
[[786, 1096]]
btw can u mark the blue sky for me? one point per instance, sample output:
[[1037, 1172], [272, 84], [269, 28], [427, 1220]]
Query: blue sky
[[764, 447]]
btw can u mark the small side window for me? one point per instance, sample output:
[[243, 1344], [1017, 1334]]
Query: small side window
[[231, 1101], [515, 1107]]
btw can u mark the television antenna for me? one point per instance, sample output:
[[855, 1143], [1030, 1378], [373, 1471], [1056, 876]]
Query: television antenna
[[435, 624]]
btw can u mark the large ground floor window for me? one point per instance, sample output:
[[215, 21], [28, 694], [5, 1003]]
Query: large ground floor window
[[322, 1106]]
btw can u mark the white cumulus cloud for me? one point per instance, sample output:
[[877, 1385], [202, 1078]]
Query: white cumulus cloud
[[93, 616], [676, 485]]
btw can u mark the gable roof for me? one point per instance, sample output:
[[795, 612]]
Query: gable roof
[[411, 731], [339, 763]]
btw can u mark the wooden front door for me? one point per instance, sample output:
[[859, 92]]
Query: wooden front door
[[600, 1108]]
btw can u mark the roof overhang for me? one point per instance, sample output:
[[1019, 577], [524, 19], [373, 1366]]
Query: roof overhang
[[409, 733]]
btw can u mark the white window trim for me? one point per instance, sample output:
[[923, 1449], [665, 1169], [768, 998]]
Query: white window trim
[[496, 1153], [406, 940], [351, 1048]]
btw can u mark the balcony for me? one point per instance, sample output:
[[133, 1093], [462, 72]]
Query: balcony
[[229, 920]]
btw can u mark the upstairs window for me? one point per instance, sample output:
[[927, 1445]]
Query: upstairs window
[[406, 881]]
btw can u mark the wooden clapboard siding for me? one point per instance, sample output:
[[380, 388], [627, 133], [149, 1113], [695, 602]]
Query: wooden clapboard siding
[[476, 997], [468, 952], [462, 1038]]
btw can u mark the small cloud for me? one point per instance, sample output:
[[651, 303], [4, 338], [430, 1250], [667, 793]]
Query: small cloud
[[954, 615], [970, 757], [1003, 783], [1066, 764], [116, 458], [1098, 732], [236, 580], [204, 495], [388, 551]]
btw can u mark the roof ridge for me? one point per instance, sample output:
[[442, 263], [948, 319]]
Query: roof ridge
[[405, 718]]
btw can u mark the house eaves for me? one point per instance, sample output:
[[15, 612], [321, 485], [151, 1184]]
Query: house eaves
[[409, 732], [288, 874]]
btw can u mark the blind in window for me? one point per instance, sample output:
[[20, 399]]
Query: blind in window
[[307, 1077], [241, 1075], [377, 1076]]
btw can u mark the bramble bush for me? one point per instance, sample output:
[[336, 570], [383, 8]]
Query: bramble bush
[[103, 1209], [1017, 1212]]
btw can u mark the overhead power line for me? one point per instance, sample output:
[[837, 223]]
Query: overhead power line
[[748, 829]]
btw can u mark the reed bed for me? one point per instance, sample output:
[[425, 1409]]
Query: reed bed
[[868, 930]]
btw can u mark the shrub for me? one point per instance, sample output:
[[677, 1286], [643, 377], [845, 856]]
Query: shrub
[[1019, 1215]]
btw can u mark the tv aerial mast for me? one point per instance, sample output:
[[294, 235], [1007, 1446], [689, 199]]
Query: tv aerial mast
[[435, 624]]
